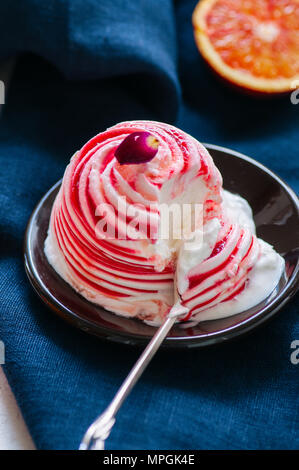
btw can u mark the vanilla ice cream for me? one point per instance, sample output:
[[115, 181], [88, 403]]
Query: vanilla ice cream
[[95, 244]]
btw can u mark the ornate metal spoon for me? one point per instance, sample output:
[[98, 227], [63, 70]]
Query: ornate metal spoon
[[99, 430]]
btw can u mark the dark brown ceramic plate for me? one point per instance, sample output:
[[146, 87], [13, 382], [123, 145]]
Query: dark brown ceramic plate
[[276, 213]]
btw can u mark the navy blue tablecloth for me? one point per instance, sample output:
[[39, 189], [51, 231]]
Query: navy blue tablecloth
[[82, 66]]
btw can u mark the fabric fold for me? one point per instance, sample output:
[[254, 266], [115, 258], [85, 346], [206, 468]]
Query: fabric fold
[[91, 40]]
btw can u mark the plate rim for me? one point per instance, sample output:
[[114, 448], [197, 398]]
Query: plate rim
[[204, 340]]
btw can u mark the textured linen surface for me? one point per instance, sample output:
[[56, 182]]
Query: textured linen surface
[[88, 65]]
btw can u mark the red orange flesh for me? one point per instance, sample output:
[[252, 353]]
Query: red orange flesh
[[253, 44]]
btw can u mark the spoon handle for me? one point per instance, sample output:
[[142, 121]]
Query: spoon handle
[[100, 429]]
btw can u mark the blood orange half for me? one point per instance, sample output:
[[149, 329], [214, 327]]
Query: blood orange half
[[253, 44]]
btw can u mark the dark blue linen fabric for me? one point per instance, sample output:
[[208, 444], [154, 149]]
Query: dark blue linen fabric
[[92, 39], [105, 62]]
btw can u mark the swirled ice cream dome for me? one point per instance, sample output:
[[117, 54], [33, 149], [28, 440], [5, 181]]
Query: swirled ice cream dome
[[105, 235]]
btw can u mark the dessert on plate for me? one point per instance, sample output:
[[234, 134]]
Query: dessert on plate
[[142, 205]]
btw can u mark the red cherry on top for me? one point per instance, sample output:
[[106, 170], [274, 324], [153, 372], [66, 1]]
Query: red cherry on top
[[138, 147]]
